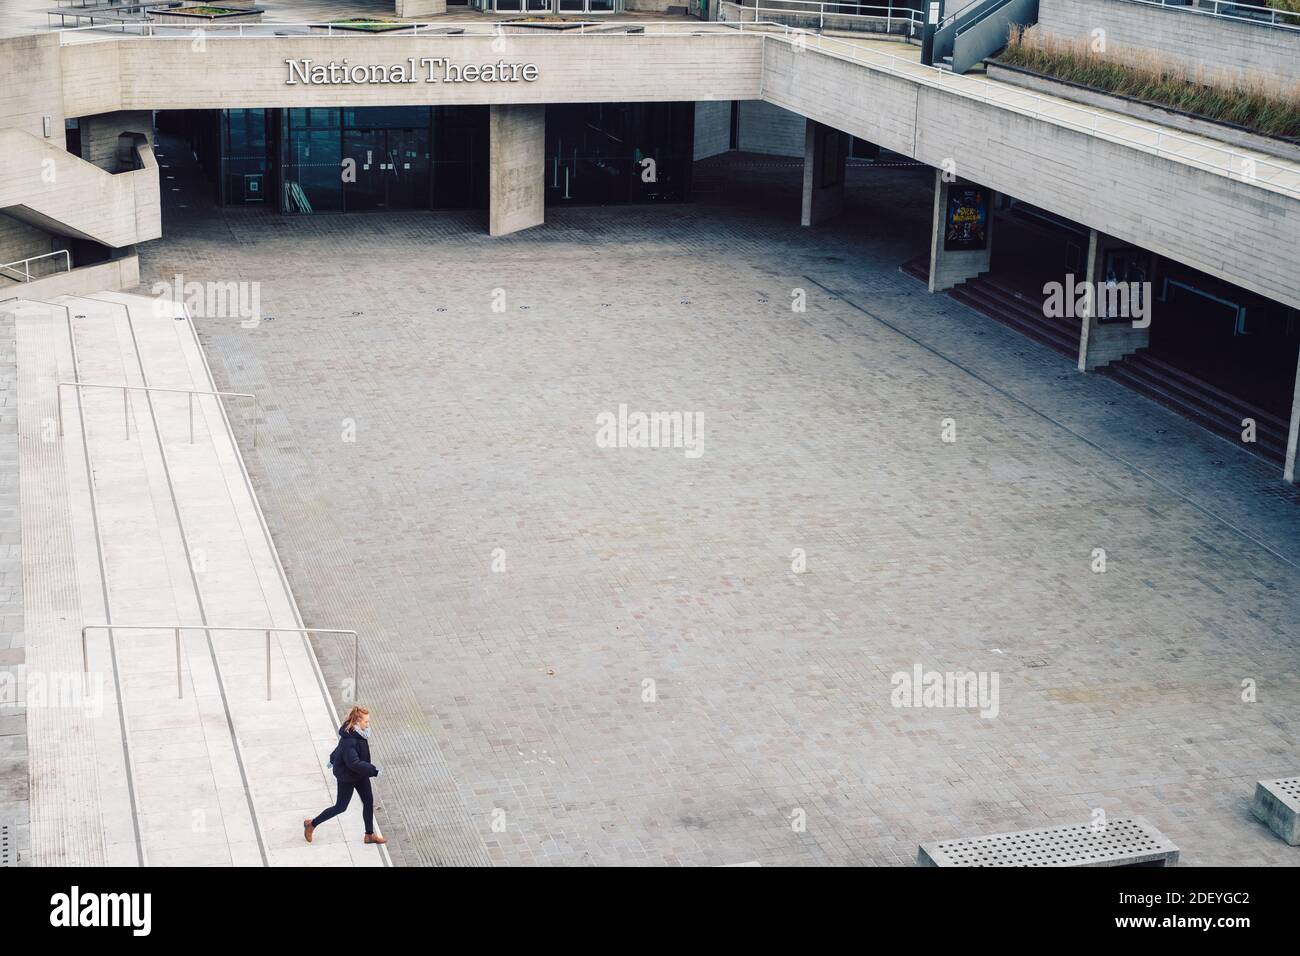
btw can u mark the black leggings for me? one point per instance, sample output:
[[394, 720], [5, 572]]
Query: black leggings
[[345, 797]]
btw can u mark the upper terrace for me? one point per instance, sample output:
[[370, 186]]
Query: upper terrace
[[1229, 211]]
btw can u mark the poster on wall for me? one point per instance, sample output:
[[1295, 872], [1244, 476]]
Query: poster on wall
[[967, 224]]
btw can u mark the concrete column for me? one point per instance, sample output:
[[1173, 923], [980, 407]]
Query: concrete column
[[99, 136], [517, 168], [419, 8], [1293, 435], [825, 153], [1103, 339], [960, 248]]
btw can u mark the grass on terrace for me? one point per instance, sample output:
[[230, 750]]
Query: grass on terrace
[[1256, 105]]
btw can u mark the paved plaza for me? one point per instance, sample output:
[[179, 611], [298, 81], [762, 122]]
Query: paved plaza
[[579, 654]]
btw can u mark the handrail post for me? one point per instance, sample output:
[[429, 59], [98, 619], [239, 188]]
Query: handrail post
[[58, 405], [356, 695], [180, 690], [85, 655], [268, 665]]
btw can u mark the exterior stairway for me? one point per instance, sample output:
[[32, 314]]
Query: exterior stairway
[[51, 189], [1157, 379], [186, 750], [1208, 406], [997, 299]]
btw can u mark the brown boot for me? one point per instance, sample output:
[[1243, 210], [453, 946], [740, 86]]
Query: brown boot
[[375, 838], [307, 829]]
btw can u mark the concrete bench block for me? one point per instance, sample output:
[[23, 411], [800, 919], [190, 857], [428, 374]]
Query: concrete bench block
[[1277, 804], [1118, 843]]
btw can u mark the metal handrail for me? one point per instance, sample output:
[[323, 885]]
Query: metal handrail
[[1273, 13], [126, 413], [27, 267], [208, 628], [969, 86], [265, 29], [892, 14]]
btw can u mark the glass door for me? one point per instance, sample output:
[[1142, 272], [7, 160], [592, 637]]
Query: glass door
[[364, 156], [407, 175], [389, 169]]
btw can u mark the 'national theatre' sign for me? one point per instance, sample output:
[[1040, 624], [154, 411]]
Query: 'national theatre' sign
[[427, 69]]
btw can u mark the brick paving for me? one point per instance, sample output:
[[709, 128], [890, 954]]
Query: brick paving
[[15, 804], [519, 698]]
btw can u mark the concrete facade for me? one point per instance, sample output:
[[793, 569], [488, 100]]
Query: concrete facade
[[1102, 342], [45, 186], [1207, 47], [949, 267], [764, 128], [111, 276], [31, 86], [712, 128], [826, 151], [21, 240], [1152, 191], [420, 8], [517, 167], [1153, 200], [226, 73], [100, 136]]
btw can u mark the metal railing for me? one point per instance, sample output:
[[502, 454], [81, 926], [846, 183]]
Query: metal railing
[[208, 629], [847, 14], [126, 407], [1236, 164], [462, 28], [26, 274], [1224, 10]]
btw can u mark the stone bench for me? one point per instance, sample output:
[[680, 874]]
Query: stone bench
[[1277, 804], [1119, 843]]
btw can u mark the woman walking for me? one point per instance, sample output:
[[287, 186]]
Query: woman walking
[[351, 764]]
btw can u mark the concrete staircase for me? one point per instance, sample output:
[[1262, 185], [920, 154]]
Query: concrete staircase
[[49, 188], [999, 300], [134, 523], [1157, 379], [1210, 407]]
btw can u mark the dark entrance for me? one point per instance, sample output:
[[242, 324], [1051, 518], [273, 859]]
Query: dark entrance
[[389, 169]]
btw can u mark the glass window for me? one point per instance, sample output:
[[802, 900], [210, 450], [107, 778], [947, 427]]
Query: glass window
[[244, 149], [313, 179]]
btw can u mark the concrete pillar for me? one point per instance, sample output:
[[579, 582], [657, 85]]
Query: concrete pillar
[[961, 242], [517, 168], [99, 136], [825, 153], [1103, 336], [411, 9], [1293, 435]]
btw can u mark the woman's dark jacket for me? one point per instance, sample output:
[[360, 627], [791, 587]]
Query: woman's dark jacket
[[351, 759]]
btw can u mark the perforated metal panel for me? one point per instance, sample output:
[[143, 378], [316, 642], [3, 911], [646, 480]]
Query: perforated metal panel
[[1118, 843], [7, 853]]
